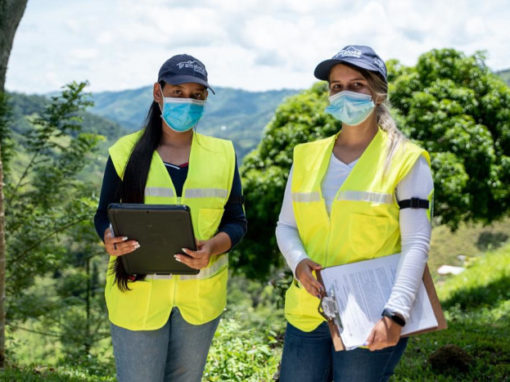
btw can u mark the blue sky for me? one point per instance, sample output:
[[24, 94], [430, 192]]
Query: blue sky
[[248, 44]]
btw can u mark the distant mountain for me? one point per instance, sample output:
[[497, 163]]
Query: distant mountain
[[25, 106], [505, 74], [235, 114]]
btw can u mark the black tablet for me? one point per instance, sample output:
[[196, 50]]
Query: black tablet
[[161, 229]]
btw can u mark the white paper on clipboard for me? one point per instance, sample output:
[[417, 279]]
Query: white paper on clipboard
[[361, 290]]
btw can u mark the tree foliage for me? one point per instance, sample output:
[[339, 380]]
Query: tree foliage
[[457, 109], [46, 200], [55, 287], [449, 103]]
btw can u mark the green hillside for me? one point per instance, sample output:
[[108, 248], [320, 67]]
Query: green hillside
[[505, 74], [26, 107], [235, 114]]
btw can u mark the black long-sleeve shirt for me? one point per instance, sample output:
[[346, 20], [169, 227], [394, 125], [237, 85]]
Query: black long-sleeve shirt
[[233, 222]]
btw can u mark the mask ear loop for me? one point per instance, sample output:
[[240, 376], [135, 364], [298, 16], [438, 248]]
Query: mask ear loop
[[162, 99]]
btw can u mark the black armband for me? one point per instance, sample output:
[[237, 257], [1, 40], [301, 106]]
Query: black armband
[[414, 203]]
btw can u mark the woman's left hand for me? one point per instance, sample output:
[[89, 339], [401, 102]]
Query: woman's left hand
[[384, 334], [197, 259]]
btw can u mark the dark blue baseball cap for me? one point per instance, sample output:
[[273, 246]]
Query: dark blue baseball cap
[[360, 56], [183, 68]]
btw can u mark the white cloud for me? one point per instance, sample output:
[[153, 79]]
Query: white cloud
[[83, 54], [251, 44]]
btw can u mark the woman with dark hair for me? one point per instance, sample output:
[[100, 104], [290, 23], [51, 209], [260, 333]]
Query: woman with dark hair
[[162, 325], [348, 199]]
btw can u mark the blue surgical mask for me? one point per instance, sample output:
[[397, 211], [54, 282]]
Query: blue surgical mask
[[181, 114], [350, 107]]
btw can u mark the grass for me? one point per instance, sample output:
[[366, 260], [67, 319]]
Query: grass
[[477, 308], [247, 345], [470, 240], [37, 373]]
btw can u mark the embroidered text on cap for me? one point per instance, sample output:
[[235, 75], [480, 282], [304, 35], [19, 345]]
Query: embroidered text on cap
[[350, 52], [192, 64]]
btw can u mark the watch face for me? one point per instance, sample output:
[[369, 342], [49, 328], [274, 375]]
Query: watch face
[[394, 317]]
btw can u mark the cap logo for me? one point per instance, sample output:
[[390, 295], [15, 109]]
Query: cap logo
[[350, 52], [379, 63], [193, 65]]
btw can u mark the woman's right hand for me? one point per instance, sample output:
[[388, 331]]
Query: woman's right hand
[[118, 245], [306, 278]]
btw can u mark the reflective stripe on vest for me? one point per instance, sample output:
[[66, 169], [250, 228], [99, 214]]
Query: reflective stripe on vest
[[305, 197], [161, 192], [205, 193], [362, 196], [164, 192], [210, 271]]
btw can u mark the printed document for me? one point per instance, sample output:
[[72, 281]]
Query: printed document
[[361, 290]]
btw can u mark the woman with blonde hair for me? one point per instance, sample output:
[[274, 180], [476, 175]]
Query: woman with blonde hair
[[360, 194]]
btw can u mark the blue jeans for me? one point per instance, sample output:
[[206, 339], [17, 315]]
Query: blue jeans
[[311, 357], [175, 352]]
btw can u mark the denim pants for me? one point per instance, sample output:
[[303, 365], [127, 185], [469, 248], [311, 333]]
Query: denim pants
[[175, 352], [311, 357]]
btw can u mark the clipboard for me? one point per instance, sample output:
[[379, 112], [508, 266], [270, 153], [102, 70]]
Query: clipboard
[[329, 310], [162, 231]]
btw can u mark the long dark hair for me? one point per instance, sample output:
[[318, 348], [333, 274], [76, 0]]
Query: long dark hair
[[135, 175]]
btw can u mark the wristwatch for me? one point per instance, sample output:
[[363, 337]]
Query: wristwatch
[[395, 317]]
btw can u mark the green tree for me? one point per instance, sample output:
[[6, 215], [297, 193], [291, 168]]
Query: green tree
[[74, 307], [63, 305], [46, 200], [54, 286], [457, 109], [449, 103], [11, 12]]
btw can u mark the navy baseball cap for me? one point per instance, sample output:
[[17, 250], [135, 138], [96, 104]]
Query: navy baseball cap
[[183, 68], [360, 56]]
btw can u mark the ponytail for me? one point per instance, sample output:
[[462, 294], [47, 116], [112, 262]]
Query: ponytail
[[379, 88], [395, 136]]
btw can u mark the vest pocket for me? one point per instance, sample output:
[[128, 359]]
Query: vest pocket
[[129, 309], [367, 234], [201, 301], [301, 308], [208, 221]]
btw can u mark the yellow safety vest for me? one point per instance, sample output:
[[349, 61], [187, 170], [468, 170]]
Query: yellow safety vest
[[202, 297], [364, 219]]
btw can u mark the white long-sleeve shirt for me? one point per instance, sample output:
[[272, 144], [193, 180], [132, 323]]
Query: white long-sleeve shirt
[[414, 228]]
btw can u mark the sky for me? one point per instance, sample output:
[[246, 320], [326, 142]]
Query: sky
[[247, 44]]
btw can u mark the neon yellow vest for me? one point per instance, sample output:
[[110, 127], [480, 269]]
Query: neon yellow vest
[[200, 298], [364, 218]]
